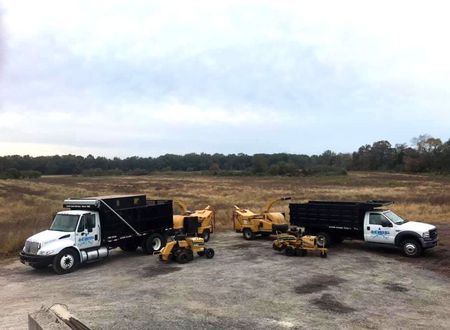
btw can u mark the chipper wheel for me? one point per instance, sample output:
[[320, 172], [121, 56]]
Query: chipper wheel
[[185, 256], [290, 251], [209, 253]]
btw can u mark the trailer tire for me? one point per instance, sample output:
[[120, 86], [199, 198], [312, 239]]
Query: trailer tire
[[183, 257], [412, 248], [209, 253], [206, 235], [154, 242], [66, 261], [323, 239], [248, 234]]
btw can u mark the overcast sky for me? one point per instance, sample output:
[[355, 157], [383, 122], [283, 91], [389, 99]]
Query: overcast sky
[[123, 78]]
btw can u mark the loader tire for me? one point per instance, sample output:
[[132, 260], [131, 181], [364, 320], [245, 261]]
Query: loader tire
[[248, 234], [290, 251], [183, 257], [209, 253]]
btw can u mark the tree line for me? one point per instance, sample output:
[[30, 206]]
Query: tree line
[[426, 154]]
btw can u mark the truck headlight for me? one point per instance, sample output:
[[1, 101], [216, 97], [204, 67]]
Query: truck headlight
[[426, 235], [46, 253]]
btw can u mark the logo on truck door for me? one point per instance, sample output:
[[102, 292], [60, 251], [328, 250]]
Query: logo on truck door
[[380, 233]]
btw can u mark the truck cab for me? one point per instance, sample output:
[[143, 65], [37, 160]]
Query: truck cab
[[386, 227], [68, 241]]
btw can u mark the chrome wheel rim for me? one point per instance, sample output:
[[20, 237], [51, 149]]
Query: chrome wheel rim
[[67, 261], [410, 248], [156, 243]]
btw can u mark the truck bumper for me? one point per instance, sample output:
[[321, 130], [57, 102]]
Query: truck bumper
[[428, 244], [35, 260]]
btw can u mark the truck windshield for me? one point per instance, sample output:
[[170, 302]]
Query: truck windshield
[[65, 222], [394, 218]]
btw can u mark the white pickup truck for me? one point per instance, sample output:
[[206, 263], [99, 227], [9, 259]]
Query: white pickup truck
[[334, 221], [90, 227]]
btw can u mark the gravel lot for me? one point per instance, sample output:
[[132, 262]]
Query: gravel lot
[[247, 284]]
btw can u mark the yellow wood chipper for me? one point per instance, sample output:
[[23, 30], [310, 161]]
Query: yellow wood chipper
[[293, 245], [265, 223], [205, 217]]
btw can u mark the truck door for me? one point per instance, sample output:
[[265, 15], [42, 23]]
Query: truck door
[[378, 229], [87, 234]]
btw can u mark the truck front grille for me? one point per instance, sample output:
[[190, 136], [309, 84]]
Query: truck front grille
[[31, 247], [433, 233]]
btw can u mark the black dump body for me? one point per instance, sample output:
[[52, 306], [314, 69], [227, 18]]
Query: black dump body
[[143, 216], [344, 219]]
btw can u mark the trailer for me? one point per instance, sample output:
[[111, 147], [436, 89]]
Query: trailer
[[92, 226], [334, 221]]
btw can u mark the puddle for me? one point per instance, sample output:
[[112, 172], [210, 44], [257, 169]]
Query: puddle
[[318, 283], [396, 287], [152, 271], [329, 302]]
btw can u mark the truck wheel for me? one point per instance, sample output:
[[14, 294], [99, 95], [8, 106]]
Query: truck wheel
[[66, 261], [153, 243], [323, 239], [209, 253], [248, 234], [183, 257], [129, 246], [412, 248], [206, 235], [290, 251]]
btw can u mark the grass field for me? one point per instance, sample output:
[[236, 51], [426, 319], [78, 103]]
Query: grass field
[[27, 206]]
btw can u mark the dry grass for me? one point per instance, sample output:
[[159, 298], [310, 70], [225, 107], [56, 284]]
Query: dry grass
[[28, 206]]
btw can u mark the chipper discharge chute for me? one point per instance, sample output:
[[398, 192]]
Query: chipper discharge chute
[[264, 223], [205, 217], [293, 245], [182, 246]]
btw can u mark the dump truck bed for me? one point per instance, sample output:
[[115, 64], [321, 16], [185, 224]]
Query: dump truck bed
[[344, 218]]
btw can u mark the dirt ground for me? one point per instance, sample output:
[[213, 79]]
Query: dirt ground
[[246, 285]]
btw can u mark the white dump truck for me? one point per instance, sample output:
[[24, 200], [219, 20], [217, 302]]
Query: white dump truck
[[334, 221], [90, 227]]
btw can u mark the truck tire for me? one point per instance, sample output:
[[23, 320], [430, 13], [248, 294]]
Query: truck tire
[[209, 253], [66, 261], [129, 246], [323, 239], [248, 234], [154, 242], [183, 257], [412, 248], [206, 235]]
